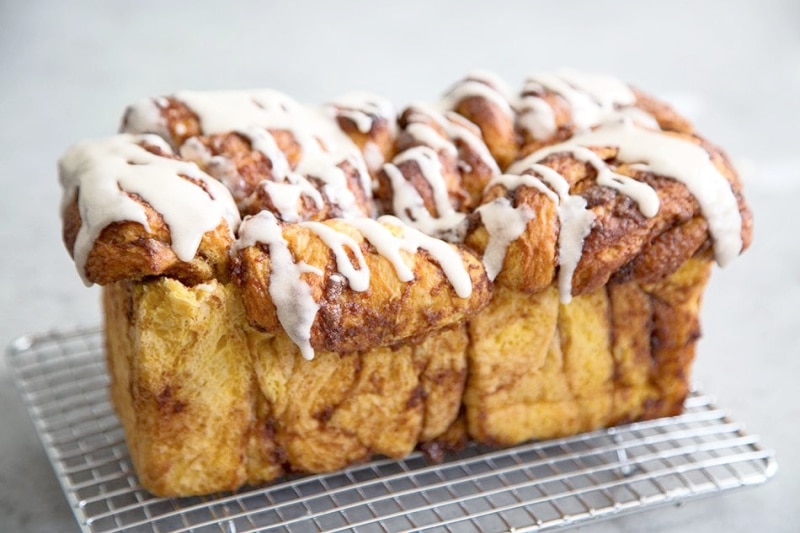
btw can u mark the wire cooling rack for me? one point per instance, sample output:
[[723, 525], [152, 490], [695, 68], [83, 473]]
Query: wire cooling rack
[[534, 487]]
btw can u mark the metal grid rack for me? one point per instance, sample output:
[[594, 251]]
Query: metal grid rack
[[534, 487]]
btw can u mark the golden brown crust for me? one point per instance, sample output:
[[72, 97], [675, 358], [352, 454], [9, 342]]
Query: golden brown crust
[[267, 411], [495, 121], [181, 122], [232, 159], [401, 364], [377, 144], [667, 252], [540, 369], [465, 169], [621, 234], [340, 409], [531, 260], [126, 251], [412, 172], [562, 118], [388, 312], [666, 117], [497, 127], [164, 341], [244, 167], [622, 242]]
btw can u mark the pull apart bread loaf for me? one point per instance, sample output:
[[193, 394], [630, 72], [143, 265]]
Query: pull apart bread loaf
[[294, 288]]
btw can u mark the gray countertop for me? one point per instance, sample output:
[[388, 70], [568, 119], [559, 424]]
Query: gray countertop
[[67, 69]]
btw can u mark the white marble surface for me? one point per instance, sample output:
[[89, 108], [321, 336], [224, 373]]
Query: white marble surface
[[68, 68]]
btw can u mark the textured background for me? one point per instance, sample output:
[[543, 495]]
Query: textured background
[[67, 69]]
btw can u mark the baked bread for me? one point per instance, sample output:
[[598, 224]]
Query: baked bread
[[293, 288]]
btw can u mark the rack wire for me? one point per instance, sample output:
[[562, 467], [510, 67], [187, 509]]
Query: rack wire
[[540, 486]]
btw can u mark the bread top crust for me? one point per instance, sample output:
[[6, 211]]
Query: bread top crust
[[576, 179]]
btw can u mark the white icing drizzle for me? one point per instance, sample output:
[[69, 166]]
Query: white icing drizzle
[[356, 159], [459, 129], [641, 193], [305, 268], [490, 78], [575, 221], [286, 195], [446, 255], [334, 185], [105, 172], [428, 136], [456, 127], [323, 164], [373, 156], [593, 99], [292, 296], [479, 84], [387, 245], [361, 119], [513, 181], [324, 146], [431, 169], [339, 243], [607, 91], [263, 141], [294, 302], [536, 116], [364, 109], [639, 116], [145, 116], [504, 223], [219, 167], [675, 158], [409, 205], [194, 150], [224, 111]]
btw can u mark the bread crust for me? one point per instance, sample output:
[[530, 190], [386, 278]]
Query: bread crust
[[209, 403], [389, 312], [540, 369], [215, 387], [623, 244]]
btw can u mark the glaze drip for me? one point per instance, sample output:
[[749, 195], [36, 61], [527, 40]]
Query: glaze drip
[[103, 174], [504, 223], [294, 303], [408, 204], [364, 110], [145, 116], [456, 127], [669, 156], [592, 100], [434, 145], [327, 169], [575, 220], [340, 244], [256, 115], [387, 245], [479, 84], [445, 254]]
